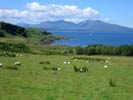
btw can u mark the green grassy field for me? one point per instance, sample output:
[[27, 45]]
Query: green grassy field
[[32, 82]]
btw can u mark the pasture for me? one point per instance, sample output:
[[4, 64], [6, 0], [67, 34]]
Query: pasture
[[34, 79]]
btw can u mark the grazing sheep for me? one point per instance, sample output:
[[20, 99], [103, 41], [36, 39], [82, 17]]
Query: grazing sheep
[[75, 59], [17, 63], [67, 62], [56, 69], [106, 61], [105, 66], [80, 70], [87, 61], [1, 65]]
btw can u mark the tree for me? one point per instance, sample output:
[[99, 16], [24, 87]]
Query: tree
[[79, 50]]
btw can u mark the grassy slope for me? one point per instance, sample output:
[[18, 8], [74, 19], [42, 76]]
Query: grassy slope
[[33, 39], [31, 82]]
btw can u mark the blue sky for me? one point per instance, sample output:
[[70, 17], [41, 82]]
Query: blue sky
[[113, 11]]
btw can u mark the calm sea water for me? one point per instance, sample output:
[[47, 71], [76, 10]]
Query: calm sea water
[[84, 38]]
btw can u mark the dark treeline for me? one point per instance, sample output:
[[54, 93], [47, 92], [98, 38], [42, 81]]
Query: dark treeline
[[124, 50]]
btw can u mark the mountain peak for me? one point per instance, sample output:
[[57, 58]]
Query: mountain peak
[[92, 26]]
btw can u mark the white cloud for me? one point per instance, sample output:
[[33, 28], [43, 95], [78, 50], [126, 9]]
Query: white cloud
[[36, 13]]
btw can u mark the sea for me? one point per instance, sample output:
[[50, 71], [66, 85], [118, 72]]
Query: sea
[[85, 38]]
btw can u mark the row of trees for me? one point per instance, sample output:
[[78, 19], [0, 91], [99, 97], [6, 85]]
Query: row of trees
[[124, 50]]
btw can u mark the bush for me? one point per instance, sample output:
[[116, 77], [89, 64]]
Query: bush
[[112, 83], [18, 47], [44, 62], [12, 67], [2, 33], [124, 50], [79, 50], [7, 54], [45, 68], [75, 69], [80, 69]]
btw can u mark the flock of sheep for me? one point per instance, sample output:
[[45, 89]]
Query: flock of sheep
[[16, 64], [76, 69]]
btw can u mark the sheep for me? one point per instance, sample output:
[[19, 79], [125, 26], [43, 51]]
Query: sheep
[[105, 66], [17, 63], [106, 61], [80, 70], [75, 59], [56, 69], [1, 65], [65, 62], [68, 62]]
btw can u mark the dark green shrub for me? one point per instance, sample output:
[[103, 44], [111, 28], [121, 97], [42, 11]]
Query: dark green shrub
[[75, 68], [11, 67], [45, 68], [44, 62], [7, 54], [16, 47], [112, 83], [80, 69], [2, 33]]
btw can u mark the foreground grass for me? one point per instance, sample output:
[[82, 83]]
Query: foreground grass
[[32, 82]]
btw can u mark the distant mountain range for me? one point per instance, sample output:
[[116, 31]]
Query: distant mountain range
[[92, 26]]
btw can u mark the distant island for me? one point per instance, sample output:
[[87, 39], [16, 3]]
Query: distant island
[[91, 26]]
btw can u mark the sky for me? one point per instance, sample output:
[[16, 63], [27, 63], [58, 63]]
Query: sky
[[36, 11]]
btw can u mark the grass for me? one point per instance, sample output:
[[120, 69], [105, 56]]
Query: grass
[[32, 82]]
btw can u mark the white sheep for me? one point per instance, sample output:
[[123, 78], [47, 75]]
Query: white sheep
[[68, 62], [105, 66], [65, 62], [81, 70], [1, 65], [106, 61], [75, 59], [17, 63], [58, 68]]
